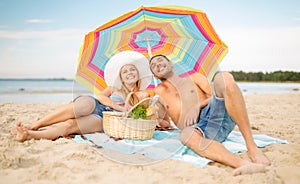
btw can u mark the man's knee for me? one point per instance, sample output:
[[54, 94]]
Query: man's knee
[[188, 136], [223, 77], [230, 83], [224, 82], [184, 135]]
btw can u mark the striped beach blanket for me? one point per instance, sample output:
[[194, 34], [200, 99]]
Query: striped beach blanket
[[166, 144]]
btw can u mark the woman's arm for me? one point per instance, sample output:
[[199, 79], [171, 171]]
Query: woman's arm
[[103, 98]]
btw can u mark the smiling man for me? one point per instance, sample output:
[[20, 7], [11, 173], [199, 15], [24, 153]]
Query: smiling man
[[206, 113]]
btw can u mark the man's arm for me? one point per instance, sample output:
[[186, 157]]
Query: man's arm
[[204, 86], [163, 117], [203, 95]]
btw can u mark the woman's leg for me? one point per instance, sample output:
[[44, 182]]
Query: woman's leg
[[82, 106], [82, 125]]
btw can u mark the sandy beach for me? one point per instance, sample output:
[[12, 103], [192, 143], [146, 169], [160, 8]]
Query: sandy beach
[[65, 161]]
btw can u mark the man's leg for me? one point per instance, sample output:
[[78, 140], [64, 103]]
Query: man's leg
[[215, 151], [226, 87]]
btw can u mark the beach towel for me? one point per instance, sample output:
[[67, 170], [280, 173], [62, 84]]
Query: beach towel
[[166, 144]]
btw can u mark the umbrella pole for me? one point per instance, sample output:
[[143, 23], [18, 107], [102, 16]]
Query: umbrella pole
[[149, 49], [150, 56]]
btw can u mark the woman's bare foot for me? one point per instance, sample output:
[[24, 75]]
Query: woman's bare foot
[[14, 131], [22, 133], [257, 156], [249, 169]]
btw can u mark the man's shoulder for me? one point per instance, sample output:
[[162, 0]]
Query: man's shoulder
[[158, 88], [197, 76], [161, 87]]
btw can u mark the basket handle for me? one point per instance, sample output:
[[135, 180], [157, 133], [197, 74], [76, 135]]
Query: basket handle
[[127, 104]]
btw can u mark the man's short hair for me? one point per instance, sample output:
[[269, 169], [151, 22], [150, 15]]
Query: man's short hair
[[157, 56]]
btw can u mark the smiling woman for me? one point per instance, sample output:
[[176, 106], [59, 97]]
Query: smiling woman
[[84, 114], [127, 58]]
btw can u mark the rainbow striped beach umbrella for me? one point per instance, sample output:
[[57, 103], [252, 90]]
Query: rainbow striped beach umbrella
[[183, 34]]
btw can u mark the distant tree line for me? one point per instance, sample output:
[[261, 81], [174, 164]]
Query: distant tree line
[[276, 76]]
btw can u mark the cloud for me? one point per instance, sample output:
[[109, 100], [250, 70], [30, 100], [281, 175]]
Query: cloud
[[52, 34], [54, 53], [261, 49], [296, 19], [40, 53], [37, 21]]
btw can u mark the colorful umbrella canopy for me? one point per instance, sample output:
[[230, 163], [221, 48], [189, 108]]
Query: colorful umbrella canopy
[[183, 34]]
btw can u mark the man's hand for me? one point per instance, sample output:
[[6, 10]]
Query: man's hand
[[192, 116], [161, 123]]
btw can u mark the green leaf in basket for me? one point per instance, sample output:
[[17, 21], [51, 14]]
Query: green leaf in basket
[[139, 112]]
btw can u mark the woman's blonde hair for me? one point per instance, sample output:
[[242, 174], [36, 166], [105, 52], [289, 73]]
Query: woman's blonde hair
[[125, 91]]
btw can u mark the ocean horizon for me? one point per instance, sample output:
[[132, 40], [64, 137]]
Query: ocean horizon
[[60, 90]]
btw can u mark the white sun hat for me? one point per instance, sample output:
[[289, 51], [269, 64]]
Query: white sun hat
[[113, 66]]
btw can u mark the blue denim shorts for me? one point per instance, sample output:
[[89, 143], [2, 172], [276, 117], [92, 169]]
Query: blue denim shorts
[[99, 108], [214, 121]]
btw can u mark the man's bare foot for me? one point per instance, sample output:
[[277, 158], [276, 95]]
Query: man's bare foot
[[22, 133], [257, 156], [249, 169]]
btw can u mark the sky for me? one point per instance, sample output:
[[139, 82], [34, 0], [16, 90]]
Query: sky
[[42, 38]]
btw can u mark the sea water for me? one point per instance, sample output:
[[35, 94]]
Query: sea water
[[268, 87], [60, 91], [40, 91]]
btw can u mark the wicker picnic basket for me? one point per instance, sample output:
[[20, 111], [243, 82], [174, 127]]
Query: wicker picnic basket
[[119, 125]]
